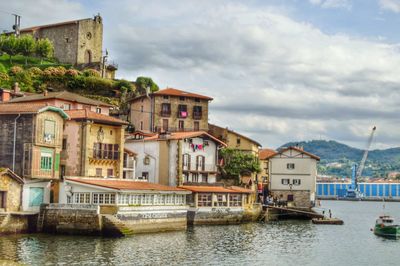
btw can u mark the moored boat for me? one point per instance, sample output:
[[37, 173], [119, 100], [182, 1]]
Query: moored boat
[[385, 227]]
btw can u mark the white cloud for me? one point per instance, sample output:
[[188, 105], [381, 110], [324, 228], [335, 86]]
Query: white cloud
[[346, 4], [391, 5]]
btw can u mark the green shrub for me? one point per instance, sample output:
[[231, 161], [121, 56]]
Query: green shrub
[[2, 68], [35, 71], [91, 73], [14, 70]]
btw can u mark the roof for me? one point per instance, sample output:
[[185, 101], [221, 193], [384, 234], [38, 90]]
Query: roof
[[234, 132], [123, 184], [178, 93], [34, 28], [6, 171], [90, 115], [184, 135], [130, 152], [62, 95], [29, 108], [264, 154], [216, 189], [296, 149]]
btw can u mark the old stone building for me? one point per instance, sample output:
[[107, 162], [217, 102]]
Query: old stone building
[[93, 145], [10, 191], [75, 42], [170, 110], [30, 145]]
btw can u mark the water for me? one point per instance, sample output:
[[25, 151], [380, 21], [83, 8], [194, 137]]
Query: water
[[276, 243]]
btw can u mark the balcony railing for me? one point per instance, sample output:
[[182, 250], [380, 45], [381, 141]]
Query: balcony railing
[[129, 163], [197, 115], [200, 168], [165, 113], [177, 129], [104, 154]]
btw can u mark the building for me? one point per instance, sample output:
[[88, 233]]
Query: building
[[11, 186], [220, 205], [176, 158], [136, 207], [66, 101], [30, 145], [263, 156], [75, 42], [93, 145], [293, 174], [234, 140], [170, 110]]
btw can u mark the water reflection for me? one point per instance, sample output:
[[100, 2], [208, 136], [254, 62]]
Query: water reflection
[[275, 243]]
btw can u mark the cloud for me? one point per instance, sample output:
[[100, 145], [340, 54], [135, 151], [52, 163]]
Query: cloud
[[390, 5], [346, 4]]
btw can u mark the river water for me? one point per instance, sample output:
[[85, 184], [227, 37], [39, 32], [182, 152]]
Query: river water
[[276, 243]]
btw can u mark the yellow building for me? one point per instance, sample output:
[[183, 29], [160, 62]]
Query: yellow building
[[263, 156], [93, 145]]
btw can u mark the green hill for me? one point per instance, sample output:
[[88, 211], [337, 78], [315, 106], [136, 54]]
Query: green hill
[[379, 162]]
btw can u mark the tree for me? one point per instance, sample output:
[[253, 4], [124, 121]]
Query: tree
[[26, 46], [44, 49], [10, 46], [142, 83], [237, 162]]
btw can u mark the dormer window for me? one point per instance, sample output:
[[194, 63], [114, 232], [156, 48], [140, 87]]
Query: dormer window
[[49, 131]]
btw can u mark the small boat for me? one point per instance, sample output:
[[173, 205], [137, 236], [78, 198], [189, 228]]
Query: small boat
[[385, 227]]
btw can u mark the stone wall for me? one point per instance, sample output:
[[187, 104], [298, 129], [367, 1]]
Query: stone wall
[[90, 39], [13, 190], [17, 223], [70, 219], [217, 216], [301, 199], [25, 129]]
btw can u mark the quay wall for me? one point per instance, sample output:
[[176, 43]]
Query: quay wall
[[17, 223]]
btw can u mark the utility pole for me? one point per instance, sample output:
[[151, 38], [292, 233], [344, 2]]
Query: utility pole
[[17, 24]]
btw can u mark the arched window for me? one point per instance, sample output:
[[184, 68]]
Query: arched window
[[88, 57]]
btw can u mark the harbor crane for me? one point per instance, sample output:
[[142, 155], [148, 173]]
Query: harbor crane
[[356, 172]]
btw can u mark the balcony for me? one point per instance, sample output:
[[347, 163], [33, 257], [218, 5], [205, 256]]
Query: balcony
[[197, 115], [182, 114], [100, 154], [177, 129], [206, 168], [165, 113]]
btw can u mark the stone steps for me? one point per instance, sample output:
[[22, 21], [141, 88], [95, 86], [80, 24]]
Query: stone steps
[[116, 226]]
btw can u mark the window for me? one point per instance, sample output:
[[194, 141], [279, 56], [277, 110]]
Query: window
[[235, 200], [141, 125], [290, 166], [165, 124], [285, 181], [181, 125], [99, 172], [82, 198], [197, 100], [141, 108], [110, 172], [297, 182], [181, 98], [64, 144], [197, 112], [62, 171], [200, 162], [238, 141], [66, 106], [182, 111], [186, 161], [204, 200], [165, 109], [165, 97], [145, 175], [49, 131], [204, 178], [220, 200], [195, 177], [196, 126], [105, 151], [46, 160], [98, 110], [186, 177], [103, 198]]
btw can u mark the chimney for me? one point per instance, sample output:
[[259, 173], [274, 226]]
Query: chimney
[[16, 88], [4, 95], [45, 93]]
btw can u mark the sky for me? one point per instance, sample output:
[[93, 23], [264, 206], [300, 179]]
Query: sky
[[278, 70]]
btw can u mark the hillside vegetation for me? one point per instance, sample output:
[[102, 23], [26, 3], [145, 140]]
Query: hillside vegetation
[[378, 164]]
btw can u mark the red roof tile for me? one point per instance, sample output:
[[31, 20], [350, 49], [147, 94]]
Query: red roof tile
[[296, 149], [90, 115], [29, 108], [123, 184], [185, 135], [266, 153], [216, 189], [179, 93]]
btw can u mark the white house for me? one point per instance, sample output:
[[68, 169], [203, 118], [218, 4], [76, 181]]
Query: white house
[[177, 158], [293, 175]]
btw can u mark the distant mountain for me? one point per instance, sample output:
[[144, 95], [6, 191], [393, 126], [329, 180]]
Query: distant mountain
[[337, 158]]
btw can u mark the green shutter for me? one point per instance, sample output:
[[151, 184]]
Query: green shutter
[[57, 162]]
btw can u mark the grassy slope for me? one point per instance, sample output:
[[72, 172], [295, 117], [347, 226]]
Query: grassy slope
[[32, 61]]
